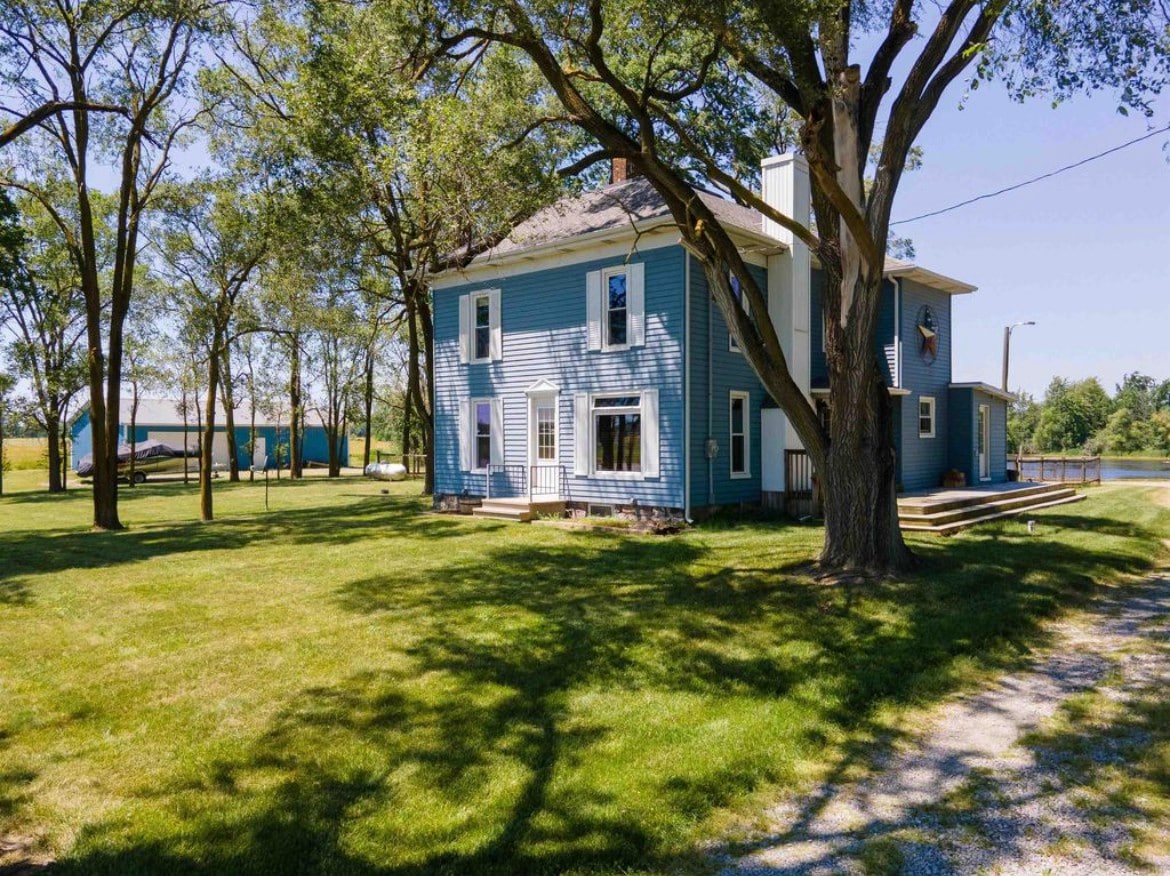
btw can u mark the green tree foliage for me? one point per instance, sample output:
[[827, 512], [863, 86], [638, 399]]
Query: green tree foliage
[[1078, 416]]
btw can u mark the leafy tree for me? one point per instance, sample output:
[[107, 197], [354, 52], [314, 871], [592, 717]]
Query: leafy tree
[[412, 164], [1023, 418], [669, 87], [215, 238], [1073, 413], [1124, 432], [90, 82], [1137, 393]]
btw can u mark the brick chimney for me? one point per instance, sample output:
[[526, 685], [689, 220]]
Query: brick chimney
[[622, 169]]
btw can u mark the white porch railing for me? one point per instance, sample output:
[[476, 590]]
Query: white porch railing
[[536, 482]]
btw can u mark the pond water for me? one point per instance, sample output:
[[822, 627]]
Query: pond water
[[1115, 469], [1119, 469]]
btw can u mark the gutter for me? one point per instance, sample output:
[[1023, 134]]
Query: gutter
[[898, 332]]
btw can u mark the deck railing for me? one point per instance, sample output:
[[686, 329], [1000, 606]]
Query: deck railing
[[801, 497], [1065, 469], [535, 482]]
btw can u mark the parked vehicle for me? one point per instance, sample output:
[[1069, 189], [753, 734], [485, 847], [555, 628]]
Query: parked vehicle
[[149, 457]]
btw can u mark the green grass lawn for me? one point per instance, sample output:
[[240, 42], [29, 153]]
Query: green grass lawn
[[345, 685]]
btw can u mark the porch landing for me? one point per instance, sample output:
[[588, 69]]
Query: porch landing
[[949, 510], [518, 510]]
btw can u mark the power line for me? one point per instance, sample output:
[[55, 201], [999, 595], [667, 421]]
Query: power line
[[1034, 179]]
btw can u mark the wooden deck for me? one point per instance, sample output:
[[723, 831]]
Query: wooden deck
[[949, 510]]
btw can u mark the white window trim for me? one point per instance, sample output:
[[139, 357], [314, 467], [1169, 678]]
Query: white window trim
[[474, 329], [473, 426], [606, 273], [747, 435], [927, 399]]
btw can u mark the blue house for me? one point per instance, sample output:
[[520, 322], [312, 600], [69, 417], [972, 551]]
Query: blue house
[[583, 361], [162, 420]]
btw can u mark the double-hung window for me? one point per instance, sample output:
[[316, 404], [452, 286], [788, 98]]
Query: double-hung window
[[616, 301], [617, 433], [480, 339], [615, 306], [925, 417], [483, 434], [481, 308], [740, 435]]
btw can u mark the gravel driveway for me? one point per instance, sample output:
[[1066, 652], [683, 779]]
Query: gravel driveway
[[1002, 781]]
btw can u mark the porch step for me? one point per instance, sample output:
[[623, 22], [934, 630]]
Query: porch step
[[518, 510], [949, 513]]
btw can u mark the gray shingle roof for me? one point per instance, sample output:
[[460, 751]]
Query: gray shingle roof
[[615, 206]]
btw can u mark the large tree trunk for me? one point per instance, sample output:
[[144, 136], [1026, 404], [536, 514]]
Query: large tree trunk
[[295, 466], [229, 418], [206, 509], [368, 406], [859, 474], [53, 431]]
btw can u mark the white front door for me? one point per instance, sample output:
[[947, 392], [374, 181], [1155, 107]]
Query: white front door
[[984, 442], [543, 450]]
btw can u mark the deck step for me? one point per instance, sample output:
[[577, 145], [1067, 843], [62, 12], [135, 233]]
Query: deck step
[[931, 504], [517, 510], [1008, 502], [947, 528]]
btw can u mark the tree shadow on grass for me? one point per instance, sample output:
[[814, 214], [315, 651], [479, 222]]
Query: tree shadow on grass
[[29, 553], [481, 751]]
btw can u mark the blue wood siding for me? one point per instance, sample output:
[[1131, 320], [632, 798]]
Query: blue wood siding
[[711, 481], [964, 434], [543, 332], [924, 460]]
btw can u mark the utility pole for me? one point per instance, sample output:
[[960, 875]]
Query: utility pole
[[1007, 345]]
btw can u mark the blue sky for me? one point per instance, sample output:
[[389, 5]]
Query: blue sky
[[1086, 254]]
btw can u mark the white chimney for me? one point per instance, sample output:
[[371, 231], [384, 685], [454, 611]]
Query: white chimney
[[786, 187]]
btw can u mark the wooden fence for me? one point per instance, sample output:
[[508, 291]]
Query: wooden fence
[[1064, 469], [801, 492]]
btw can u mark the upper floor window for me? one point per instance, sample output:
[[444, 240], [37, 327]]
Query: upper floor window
[[737, 291], [925, 417], [482, 307], [617, 329], [480, 339], [615, 307]]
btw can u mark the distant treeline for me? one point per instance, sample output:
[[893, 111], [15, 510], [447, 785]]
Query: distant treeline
[[1080, 416]]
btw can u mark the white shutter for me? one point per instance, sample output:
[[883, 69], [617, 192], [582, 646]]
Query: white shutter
[[650, 433], [581, 433], [497, 431], [636, 304], [497, 345], [466, 419], [593, 308], [464, 328]]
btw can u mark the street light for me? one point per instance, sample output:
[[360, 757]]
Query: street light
[[1007, 345]]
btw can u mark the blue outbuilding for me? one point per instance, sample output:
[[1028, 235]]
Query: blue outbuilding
[[163, 420]]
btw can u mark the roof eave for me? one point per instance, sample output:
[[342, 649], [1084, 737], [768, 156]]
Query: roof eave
[[986, 389], [933, 279], [758, 241]]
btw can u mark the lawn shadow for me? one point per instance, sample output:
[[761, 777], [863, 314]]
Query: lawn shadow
[[466, 756]]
